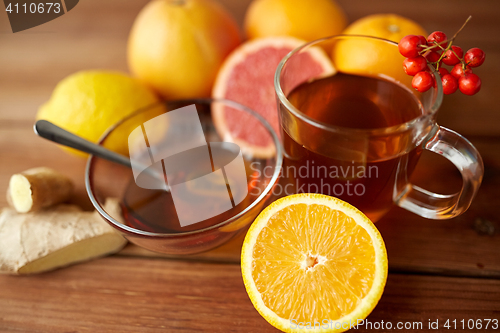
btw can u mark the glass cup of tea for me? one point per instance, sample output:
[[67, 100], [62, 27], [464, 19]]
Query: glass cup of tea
[[188, 187], [354, 128]]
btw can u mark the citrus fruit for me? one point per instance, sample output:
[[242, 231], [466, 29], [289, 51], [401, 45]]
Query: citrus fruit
[[247, 77], [87, 103], [373, 58], [388, 26], [177, 47], [313, 258], [297, 18]]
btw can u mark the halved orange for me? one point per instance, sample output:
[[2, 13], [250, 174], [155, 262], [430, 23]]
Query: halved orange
[[312, 262]]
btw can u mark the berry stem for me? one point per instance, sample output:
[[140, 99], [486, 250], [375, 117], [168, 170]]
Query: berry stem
[[448, 47], [442, 53], [452, 50], [448, 41], [463, 26]]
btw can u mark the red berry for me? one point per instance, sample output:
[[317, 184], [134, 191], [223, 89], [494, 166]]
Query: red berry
[[469, 84], [422, 81], [443, 71], [414, 65], [423, 41], [457, 71], [436, 37], [474, 57], [409, 46], [432, 56], [450, 84], [451, 58]]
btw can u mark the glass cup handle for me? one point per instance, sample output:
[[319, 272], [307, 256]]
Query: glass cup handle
[[466, 158]]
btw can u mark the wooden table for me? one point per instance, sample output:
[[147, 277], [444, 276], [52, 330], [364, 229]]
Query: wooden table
[[439, 270]]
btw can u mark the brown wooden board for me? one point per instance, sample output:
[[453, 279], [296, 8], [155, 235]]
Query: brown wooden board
[[147, 295], [434, 265]]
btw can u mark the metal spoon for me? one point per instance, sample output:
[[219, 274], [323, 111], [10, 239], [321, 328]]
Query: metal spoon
[[49, 131], [54, 133]]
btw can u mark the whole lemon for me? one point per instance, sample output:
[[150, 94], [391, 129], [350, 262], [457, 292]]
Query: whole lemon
[[87, 103], [361, 56], [177, 46], [308, 20]]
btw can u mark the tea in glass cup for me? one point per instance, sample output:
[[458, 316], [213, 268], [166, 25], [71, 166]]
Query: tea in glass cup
[[358, 134]]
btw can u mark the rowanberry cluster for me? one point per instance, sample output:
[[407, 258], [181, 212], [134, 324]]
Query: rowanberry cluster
[[436, 50]]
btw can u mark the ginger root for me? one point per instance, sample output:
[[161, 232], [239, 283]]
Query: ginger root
[[55, 237], [38, 188]]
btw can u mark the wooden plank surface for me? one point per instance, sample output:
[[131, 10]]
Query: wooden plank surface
[[150, 295], [434, 265]]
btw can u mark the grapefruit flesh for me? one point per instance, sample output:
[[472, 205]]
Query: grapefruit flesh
[[247, 77]]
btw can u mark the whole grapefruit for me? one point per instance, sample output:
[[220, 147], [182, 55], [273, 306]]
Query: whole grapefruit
[[372, 58], [177, 46], [308, 20]]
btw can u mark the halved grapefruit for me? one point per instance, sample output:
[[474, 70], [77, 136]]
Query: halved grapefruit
[[247, 77]]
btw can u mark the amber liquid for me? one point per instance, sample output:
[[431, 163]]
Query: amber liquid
[[154, 210], [352, 102]]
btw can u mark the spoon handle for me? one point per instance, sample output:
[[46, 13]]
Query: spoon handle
[[54, 133]]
